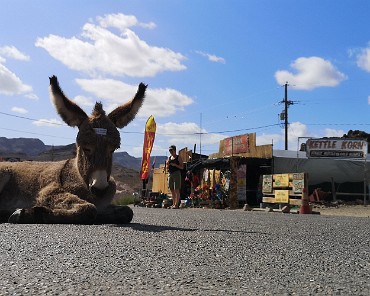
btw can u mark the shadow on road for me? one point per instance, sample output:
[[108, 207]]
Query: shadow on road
[[153, 228], [157, 228]]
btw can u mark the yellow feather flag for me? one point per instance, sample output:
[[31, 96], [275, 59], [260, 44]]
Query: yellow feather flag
[[150, 129]]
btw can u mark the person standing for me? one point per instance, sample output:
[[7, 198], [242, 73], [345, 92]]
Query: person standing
[[174, 166]]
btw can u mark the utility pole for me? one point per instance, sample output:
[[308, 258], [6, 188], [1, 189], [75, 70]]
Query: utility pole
[[284, 116], [200, 137]]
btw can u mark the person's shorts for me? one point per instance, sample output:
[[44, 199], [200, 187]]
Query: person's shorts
[[174, 180]]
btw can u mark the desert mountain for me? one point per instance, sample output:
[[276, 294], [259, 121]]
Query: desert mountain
[[35, 149]]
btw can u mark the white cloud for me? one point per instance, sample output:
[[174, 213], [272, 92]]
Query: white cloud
[[19, 110], [122, 22], [137, 151], [212, 57], [183, 135], [187, 133], [100, 51], [84, 101], [311, 72], [266, 139], [150, 25], [119, 21], [158, 102], [14, 53], [363, 59], [10, 84], [48, 122], [32, 97], [296, 130], [298, 133], [329, 132]]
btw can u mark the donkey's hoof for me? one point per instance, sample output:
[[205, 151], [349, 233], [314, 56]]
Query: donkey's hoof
[[125, 215], [15, 217]]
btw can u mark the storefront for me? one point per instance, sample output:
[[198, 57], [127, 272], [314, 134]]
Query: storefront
[[229, 178]]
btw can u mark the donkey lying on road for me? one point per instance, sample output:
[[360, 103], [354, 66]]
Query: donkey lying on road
[[78, 190]]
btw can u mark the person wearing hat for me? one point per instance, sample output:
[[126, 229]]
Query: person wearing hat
[[174, 166]]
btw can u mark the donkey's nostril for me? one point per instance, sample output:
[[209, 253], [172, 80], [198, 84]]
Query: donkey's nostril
[[98, 180]]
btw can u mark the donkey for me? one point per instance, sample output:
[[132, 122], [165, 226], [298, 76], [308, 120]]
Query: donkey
[[78, 190]]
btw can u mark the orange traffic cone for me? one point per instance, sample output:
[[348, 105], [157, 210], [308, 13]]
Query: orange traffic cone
[[305, 207]]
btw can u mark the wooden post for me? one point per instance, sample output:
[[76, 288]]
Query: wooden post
[[333, 190], [233, 189], [365, 183]]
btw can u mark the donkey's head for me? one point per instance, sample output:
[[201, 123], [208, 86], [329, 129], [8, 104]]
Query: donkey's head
[[98, 136]]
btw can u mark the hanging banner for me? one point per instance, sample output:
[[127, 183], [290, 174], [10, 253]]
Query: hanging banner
[[149, 135]]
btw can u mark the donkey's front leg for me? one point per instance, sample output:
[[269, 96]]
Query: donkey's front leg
[[114, 215], [78, 214], [5, 175], [30, 216], [64, 208]]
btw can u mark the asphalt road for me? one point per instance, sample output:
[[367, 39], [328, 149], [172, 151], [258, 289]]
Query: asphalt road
[[190, 252]]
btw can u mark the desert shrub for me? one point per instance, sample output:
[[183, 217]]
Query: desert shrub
[[124, 200]]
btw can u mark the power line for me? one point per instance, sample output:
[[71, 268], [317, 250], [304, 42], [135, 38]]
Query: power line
[[177, 134], [32, 119], [31, 133], [140, 133], [244, 129], [354, 124]]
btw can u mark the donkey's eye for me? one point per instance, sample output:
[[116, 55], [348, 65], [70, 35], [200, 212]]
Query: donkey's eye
[[87, 151]]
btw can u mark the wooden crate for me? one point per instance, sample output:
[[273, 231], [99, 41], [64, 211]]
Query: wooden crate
[[160, 183], [285, 188]]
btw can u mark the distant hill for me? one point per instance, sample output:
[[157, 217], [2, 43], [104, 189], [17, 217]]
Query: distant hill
[[35, 149], [30, 147], [125, 160]]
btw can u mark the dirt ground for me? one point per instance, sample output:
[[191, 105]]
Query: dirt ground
[[343, 210]]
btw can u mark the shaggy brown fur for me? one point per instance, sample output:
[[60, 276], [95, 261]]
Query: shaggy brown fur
[[79, 190]]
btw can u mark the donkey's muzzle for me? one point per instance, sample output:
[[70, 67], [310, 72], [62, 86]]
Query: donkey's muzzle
[[98, 192], [98, 182]]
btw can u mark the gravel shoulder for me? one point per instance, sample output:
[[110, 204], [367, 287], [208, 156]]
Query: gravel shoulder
[[344, 210]]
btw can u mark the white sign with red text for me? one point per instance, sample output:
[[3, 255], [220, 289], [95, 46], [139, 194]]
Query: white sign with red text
[[336, 148]]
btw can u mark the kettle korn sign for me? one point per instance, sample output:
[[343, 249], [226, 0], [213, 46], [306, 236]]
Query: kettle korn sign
[[336, 148]]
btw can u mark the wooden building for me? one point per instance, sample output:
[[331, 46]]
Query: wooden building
[[239, 161]]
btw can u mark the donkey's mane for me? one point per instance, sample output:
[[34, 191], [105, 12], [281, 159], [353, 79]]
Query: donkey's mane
[[98, 110]]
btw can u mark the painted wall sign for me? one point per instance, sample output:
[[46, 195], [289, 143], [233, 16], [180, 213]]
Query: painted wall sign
[[298, 182], [282, 196], [267, 184], [336, 148], [281, 180], [237, 144]]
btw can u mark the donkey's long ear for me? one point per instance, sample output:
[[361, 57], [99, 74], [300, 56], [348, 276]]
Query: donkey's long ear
[[72, 114], [124, 114]]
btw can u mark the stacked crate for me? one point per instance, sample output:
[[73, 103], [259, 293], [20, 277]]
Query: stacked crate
[[287, 189]]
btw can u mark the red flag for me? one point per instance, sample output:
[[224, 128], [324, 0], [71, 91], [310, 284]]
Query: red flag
[[150, 129]]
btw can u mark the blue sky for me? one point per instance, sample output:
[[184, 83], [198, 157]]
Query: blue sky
[[215, 67]]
